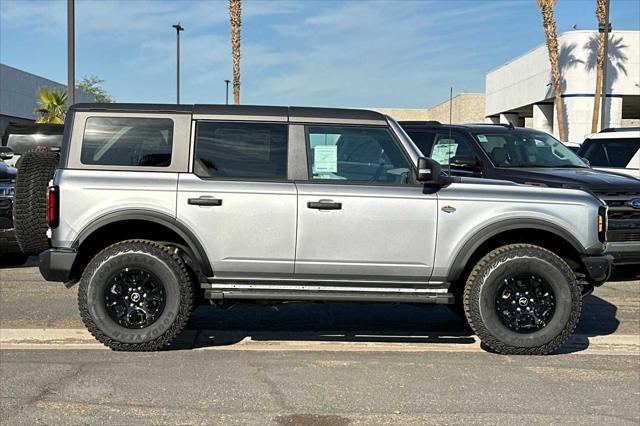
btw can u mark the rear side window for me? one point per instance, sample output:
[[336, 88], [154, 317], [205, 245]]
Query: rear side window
[[241, 150], [119, 141], [611, 152]]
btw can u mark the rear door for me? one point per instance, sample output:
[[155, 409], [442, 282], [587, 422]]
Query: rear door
[[238, 199], [361, 218]]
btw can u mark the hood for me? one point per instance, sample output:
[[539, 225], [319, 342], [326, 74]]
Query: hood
[[7, 172], [594, 180]]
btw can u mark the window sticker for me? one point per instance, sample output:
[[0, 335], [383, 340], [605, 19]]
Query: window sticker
[[442, 152], [482, 138], [325, 158]]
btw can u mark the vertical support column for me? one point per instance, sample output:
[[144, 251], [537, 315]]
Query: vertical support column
[[510, 118], [613, 111], [543, 117], [492, 119]]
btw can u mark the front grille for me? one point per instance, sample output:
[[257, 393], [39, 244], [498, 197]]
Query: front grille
[[617, 236], [624, 220], [5, 203]]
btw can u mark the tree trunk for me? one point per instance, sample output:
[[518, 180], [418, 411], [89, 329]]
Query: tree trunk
[[601, 15], [549, 24], [235, 13]]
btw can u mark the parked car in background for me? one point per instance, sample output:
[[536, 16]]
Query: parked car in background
[[536, 158], [22, 138], [573, 146], [154, 207], [614, 150], [10, 252]]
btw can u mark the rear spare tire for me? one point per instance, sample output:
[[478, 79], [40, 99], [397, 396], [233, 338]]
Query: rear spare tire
[[30, 201], [522, 299]]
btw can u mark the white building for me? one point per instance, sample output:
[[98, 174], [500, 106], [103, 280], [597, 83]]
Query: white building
[[520, 89]]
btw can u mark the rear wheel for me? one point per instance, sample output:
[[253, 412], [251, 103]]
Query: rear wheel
[[522, 299], [136, 295], [30, 201]]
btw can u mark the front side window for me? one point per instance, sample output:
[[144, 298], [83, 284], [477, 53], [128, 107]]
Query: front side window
[[119, 141], [526, 148], [241, 150], [356, 154], [442, 145], [612, 152]]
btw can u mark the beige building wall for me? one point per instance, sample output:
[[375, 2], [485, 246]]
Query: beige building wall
[[465, 108]]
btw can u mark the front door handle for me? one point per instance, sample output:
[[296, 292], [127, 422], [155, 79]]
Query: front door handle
[[324, 205], [204, 201]]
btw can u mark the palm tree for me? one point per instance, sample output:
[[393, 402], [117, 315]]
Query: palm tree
[[53, 106], [549, 25], [235, 12], [601, 16]]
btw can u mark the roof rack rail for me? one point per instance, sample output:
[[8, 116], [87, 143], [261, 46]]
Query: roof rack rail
[[420, 122], [507, 125], [620, 129]]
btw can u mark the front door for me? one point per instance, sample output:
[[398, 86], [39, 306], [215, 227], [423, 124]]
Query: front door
[[238, 200], [361, 218]]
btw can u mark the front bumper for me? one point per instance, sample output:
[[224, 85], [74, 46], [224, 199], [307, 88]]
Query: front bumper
[[56, 264], [598, 268], [624, 253]]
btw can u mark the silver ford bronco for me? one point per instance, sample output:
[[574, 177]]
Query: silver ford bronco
[[155, 208]]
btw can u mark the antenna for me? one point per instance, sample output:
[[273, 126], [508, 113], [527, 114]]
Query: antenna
[[450, 114]]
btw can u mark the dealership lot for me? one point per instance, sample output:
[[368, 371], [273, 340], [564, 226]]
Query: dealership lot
[[312, 364]]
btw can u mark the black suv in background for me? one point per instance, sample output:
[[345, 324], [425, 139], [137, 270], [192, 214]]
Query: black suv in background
[[9, 250], [532, 157]]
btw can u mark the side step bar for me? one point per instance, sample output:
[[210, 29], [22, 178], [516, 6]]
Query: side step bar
[[330, 295]]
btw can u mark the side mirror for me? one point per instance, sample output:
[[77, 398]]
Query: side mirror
[[467, 163], [6, 153], [429, 171]]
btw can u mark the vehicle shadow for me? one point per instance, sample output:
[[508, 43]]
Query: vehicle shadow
[[360, 323], [7, 261]]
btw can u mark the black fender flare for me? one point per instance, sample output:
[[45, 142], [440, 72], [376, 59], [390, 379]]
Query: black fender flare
[[156, 217], [477, 239]]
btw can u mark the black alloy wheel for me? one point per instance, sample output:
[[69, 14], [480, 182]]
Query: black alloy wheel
[[525, 303], [135, 298]]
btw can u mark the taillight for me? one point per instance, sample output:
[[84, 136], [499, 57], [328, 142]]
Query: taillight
[[53, 199]]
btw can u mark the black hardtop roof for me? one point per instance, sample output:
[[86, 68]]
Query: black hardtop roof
[[293, 113]]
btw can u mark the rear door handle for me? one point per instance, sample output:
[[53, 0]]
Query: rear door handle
[[205, 201], [324, 205]]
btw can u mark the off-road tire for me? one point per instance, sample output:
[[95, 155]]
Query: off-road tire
[[482, 285], [166, 265], [30, 200]]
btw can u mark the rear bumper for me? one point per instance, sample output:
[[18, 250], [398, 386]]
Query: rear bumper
[[598, 268], [624, 253], [56, 264]]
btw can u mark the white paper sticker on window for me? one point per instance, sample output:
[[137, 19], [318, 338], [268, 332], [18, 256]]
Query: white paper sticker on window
[[442, 152], [325, 158], [483, 138]]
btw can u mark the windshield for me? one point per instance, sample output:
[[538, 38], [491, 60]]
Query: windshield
[[526, 148]]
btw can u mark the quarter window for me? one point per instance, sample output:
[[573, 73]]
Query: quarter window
[[357, 154], [117, 141], [241, 150]]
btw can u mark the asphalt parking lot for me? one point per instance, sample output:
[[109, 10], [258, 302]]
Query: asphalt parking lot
[[312, 364]]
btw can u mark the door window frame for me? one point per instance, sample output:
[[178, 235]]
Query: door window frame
[[194, 141], [307, 146]]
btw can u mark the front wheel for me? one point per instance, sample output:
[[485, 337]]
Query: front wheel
[[135, 295], [522, 299]]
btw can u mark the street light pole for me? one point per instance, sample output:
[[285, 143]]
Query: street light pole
[[606, 30], [178, 28], [227, 97], [71, 53]]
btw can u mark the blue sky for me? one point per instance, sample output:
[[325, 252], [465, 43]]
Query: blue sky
[[312, 52]]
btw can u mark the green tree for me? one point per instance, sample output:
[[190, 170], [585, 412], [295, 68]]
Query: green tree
[[52, 106], [92, 84]]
